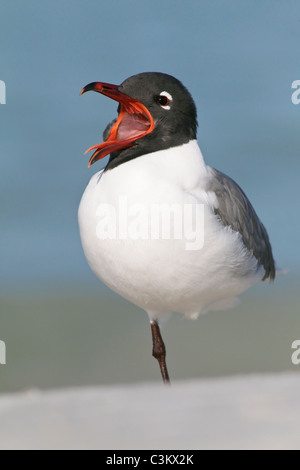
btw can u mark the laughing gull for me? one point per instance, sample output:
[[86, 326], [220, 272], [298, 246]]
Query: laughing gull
[[155, 164]]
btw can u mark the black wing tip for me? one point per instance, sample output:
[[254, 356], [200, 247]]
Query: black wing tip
[[270, 271], [269, 276]]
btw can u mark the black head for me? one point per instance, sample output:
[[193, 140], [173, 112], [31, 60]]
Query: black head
[[156, 112]]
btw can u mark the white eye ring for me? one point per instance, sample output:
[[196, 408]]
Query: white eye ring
[[169, 98]]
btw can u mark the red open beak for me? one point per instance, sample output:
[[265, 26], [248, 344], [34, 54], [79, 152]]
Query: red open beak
[[133, 123]]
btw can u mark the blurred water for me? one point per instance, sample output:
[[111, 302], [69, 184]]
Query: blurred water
[[238, 59], [73, 339]]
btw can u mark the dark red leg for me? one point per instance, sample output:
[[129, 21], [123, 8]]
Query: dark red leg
[[159, 351]]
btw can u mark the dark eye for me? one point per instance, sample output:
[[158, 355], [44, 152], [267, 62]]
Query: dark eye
[[164, 100]]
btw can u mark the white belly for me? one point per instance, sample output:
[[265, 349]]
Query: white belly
[[161, 275]]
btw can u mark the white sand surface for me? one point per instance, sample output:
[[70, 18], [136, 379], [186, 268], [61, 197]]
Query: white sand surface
[[247, 412]]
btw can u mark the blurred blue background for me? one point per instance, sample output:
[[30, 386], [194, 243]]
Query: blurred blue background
[[238, 59]]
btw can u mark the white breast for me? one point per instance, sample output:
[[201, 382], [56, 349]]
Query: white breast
[[162, 275]]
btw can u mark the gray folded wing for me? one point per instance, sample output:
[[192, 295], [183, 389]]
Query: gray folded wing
[[236, 211]]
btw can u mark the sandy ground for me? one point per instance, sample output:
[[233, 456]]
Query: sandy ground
[[248, 412]]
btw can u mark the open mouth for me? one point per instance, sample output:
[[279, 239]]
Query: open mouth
[[133, 123]]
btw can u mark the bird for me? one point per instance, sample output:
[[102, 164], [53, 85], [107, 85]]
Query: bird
[[159, 226]]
